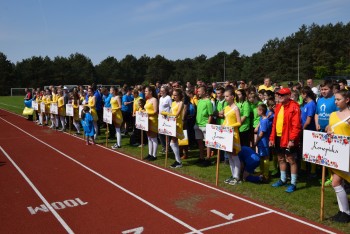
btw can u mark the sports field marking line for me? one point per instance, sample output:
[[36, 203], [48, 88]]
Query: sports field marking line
[[53, 211], [194, 230], [208, 186], [234, 221], [17, 107]]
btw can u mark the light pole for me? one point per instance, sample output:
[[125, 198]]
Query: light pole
[[298, 62]]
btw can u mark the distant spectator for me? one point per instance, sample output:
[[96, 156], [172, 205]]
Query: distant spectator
[[267, 84], [343, 84]]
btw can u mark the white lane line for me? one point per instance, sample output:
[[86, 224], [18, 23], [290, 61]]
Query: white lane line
[[4, 104], [48, 205], [234, 221], [194, 230], [212, 188]]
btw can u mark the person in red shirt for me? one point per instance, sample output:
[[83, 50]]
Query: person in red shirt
[[285, 136]]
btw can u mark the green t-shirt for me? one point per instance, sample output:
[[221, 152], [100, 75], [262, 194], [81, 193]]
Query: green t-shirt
[[204, 110], [220, 105], [255, 116], [244, 109]]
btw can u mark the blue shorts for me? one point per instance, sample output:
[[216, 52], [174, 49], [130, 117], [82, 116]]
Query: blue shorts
[[250, 168], [263, 151]]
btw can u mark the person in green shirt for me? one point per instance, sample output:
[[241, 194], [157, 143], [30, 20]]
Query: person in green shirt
[[244, 109], [220, 105], [203, 117]]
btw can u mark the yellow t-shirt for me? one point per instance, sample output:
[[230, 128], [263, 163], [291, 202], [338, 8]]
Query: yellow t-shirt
[[279, 122], [264, 87]]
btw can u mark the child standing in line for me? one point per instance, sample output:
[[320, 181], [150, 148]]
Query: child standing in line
[[263, 131], [87, 122]]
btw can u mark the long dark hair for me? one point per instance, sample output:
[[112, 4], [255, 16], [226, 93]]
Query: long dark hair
[[153, 90], [84, 111], [309, 93]]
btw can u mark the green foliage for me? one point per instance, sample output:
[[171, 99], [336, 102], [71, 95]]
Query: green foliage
[[322, 50]]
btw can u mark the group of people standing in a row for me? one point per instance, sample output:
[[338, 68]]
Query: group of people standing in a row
[[267, 121]]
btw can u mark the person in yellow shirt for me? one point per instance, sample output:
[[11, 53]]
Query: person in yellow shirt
[[267, 84], [54, 98], [92, 105], [117, 116], [75, 103], [61, 110], [339, 123]]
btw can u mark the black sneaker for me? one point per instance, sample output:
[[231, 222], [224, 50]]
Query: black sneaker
[[152, 158], [206, 163], [341, 217], [176, 165], [148, 157]]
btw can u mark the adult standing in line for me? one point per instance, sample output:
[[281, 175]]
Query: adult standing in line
[[127, 102], [92, 104], [76, 103], [98, 107], [151, 107], [28, 97], [54, 121], [165, 103], [339, 123], [117, 116], [285, 136], [203, 117], [267, 85]]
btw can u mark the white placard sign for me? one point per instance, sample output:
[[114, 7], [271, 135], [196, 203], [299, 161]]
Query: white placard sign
[[327, 150], [54, 108], [81, 107], [69, 110], [107, 115], [35, 105], [42, 107], [141, 120], [219, 137], [167, 125]]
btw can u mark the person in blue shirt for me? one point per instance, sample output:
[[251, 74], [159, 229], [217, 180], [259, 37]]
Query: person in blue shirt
[[249, 162], [99, 107], [127, 105], [88, 124], [263, 131], [308, 110], [325, 106]]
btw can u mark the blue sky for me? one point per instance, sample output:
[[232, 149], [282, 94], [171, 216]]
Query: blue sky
[[175, 29]]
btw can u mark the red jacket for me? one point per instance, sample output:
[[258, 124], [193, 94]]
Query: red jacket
[[291, 124]]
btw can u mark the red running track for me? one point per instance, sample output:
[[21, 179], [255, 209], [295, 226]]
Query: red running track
[[51, 182]]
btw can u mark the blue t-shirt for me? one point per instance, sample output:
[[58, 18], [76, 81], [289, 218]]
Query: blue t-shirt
[[325, 106], [98, 98], [248, 156], [271, 117], [107, 100], [88, 125], [265, 127], [309, 110], [127, 98]]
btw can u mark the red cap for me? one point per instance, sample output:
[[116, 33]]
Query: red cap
[[284, 91]]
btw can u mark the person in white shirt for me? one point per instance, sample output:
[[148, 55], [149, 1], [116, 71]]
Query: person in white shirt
[[164, 106]]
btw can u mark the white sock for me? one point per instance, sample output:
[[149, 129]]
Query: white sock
[[342, 198], [57, 121], [237, 166], [63, 122], [76, 125], [175, 147], [40, 119], [95, 127], [118, 136], [155, 146], [150, 146]]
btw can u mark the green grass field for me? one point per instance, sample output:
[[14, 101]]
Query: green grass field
[[305, 202]]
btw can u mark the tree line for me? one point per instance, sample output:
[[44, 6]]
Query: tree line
[[324, 50]]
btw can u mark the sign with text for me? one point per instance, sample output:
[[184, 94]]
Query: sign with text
[[54, 108], [219, 137], [35, 105], [327, 150], [107, 115], [141, 120], [167, 125], [42, 107], [69, 110]]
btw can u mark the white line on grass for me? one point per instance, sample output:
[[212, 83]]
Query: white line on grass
[[213, 188], [1, 103], [194, 230], [47, 204]]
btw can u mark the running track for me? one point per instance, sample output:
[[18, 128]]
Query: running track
[[91, 189]]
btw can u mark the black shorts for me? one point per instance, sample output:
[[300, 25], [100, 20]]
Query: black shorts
[[127, 116], [283, 150]]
